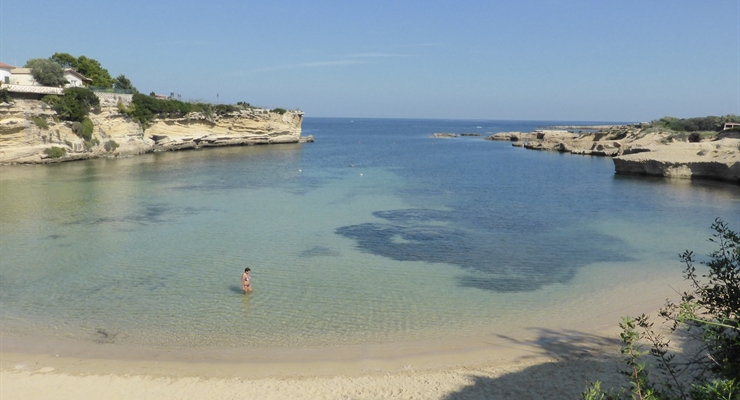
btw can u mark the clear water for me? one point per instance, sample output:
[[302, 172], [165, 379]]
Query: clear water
[[374, 233]]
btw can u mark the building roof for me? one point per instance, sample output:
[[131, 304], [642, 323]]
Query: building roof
[[77, 74], [6, 66]]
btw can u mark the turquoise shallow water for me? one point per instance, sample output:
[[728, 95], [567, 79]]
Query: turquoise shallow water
[[375, 233]]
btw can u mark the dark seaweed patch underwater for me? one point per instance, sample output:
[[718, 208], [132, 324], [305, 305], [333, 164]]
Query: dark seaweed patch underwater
[[527, 260]]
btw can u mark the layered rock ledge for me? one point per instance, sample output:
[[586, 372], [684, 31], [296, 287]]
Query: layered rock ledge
[[28, 128], [640, 151]]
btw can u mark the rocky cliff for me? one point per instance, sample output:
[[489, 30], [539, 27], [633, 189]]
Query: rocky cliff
[[28, 128], [644, 151]]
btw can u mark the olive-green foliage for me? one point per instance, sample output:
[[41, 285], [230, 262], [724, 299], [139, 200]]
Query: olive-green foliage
[[89, 144], [55, 152], [121, 82], [88, 67], [110, 145], [709, 317], [83, 129], [75, 103], [66, 60], [222, 109], [710, 123], [46, 72], [280, 111], [87, 129], [5, 96], [144, 109], [40, 122]]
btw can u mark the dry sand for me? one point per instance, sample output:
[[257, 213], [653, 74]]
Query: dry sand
[[552, 364]]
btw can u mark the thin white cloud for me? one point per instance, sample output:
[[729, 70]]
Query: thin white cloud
[[313, 64], [349, 59], [377, 55], [186, 43], [330, 63], [411, 45]]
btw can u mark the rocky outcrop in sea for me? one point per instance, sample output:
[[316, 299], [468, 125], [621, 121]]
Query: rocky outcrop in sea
[[643, 151]]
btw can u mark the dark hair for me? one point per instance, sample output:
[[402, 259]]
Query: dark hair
[[247, 269]]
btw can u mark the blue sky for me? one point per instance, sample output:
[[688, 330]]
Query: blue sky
[[548, 60]]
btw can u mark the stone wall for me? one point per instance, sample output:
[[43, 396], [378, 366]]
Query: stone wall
[[111, 99]]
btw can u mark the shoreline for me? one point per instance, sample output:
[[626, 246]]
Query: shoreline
[[437, 375], [555, 364], [552, 361]]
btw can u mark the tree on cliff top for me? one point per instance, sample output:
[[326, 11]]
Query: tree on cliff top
[[46, 72], [121, 82], [88, 67]]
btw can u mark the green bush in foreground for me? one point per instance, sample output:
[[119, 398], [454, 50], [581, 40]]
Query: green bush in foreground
[[55, 152], [709, 315]]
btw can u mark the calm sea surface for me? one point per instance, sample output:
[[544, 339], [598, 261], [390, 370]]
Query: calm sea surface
[[374, 233]]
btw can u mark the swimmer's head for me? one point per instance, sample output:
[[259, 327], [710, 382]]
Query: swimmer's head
[[247, 269]]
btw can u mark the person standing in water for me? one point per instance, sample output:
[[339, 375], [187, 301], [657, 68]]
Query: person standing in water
[[246, 281]]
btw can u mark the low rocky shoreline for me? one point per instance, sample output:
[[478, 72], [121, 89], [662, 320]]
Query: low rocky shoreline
[[643, 151], [28, 129]]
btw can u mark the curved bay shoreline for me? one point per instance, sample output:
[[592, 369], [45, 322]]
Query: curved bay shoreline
[[639, 151]]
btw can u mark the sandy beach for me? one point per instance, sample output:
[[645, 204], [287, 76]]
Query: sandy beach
[[557, 367], [552, 363]]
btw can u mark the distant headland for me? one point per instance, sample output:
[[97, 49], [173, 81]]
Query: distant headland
[[695, 148], [67, 108]]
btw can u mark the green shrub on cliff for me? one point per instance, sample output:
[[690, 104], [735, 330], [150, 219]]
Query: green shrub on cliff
[[110, 145], [280, 111], [710, 123], [55, 152], [40, 122], [709, 317], [145, 108], [75, 103], [5, 96]]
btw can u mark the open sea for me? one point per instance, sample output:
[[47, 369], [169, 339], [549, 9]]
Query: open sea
[[376, 233]]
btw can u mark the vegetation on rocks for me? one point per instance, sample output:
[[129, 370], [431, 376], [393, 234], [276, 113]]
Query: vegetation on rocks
[[144, 109], [74, 105], [709, 317], [55, 152], [40, 122], [110, 145], [699, 124], [5, 96]]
